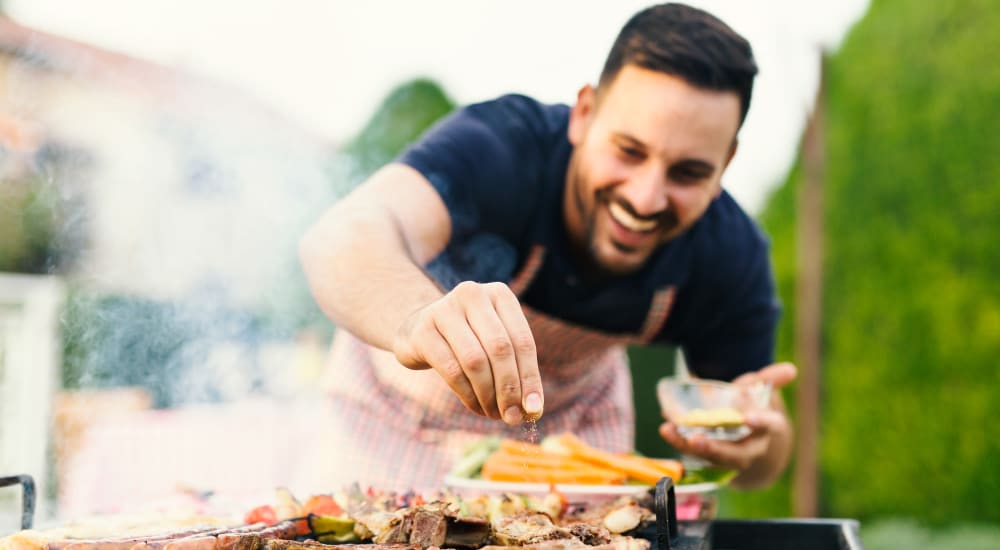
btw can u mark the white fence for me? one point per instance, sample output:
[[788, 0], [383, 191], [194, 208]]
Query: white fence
[[29, 365]]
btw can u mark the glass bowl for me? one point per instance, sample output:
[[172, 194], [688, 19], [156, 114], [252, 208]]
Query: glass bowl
[[710, 407]]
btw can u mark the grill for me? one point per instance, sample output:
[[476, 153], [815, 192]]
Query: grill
[[27, 496], [667, 533], [731, 534]]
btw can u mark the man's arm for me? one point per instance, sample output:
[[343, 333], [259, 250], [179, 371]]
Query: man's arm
[[362, 259]]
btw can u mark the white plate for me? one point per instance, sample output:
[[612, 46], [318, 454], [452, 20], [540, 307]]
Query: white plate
[[484, 486]]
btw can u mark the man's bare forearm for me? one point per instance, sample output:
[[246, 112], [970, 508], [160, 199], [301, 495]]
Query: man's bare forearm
[[361, 273], [363, 260]]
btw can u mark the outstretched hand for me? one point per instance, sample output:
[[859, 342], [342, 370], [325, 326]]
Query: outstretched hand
[[477, 339], [770, 427]]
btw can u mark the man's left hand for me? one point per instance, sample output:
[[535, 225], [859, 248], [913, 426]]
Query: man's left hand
[[760, 456]]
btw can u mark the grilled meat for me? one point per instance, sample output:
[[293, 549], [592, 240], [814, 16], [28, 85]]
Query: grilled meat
[[591, 535], [527, 528], [429, 527]]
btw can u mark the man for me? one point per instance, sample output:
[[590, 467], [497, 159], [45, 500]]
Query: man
[[518, 247]]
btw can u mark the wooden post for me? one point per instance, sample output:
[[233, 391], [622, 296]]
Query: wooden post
[[809, 302]]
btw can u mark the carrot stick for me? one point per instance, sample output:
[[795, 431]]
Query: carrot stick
[[505, 471], [635, 469], [667, 467], [555, 462]]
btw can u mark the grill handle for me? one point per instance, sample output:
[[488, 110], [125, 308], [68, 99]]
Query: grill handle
[[27, 496], [665, 508]]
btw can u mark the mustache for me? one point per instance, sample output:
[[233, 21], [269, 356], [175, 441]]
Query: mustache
[[666, 218]]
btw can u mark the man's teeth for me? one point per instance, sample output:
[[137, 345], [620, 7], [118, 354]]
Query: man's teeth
[[629, 221]]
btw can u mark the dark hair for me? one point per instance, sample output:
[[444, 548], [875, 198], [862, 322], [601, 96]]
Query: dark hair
[[689, 43]]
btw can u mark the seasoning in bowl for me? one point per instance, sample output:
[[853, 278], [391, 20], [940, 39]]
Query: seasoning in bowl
[[710, 407]]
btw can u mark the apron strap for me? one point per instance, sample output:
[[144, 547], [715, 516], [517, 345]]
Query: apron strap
[[659, 310], [527, 274]]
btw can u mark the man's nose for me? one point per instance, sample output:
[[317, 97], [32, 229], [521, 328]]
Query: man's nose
[[646, 192]]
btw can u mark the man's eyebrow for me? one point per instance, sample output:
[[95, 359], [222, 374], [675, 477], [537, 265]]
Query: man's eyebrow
[[631, 140], [696, 163]]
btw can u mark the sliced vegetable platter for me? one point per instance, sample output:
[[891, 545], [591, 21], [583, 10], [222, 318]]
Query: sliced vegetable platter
[[572, 466]]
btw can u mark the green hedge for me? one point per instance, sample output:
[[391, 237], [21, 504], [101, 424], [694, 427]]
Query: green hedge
[[911, 311]]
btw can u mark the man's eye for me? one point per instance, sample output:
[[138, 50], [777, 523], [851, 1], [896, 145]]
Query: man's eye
[[689, 176], [630, 152]]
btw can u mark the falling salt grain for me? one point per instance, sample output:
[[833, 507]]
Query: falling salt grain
[[529, 430]]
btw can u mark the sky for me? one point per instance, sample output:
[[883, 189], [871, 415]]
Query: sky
[[327, 64]]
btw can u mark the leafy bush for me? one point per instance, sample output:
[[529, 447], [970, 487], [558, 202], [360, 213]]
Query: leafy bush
[[897, 534], [911, 313]]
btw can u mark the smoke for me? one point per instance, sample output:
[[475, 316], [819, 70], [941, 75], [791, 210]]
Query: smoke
[[178, 206]]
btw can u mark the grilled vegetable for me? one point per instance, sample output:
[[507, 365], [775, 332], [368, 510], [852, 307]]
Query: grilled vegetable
[[332, 529], [262, 514], [322, 505]]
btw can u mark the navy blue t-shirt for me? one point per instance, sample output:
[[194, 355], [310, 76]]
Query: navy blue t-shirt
[[500, 167]]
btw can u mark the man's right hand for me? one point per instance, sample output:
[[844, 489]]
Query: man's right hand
[[477, 338]]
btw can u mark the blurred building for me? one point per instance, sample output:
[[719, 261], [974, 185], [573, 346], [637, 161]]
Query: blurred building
[[185, 183], [165, 186]]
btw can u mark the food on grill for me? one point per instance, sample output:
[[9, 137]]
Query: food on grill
[[371, 520], [562, 459], [724, 417], [626, 518], [247, 537]]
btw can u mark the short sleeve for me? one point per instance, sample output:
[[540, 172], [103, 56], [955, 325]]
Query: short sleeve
[[484, 161]]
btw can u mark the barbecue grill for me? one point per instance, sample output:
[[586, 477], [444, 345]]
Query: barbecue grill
[[667, 533]]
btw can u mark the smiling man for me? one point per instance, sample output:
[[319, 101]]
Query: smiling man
[[498, 268]]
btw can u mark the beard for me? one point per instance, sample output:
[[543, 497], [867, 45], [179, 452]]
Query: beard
[[666, 222]]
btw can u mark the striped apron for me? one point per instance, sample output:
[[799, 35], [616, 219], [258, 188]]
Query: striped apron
[[394, 428]]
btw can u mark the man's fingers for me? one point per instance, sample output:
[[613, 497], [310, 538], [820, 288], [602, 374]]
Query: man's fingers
[[764, 420], [529, 396], [478, 340], [669, 432], [735, 454], [778, 375], [729, 454], [472, 358], [437, 352], [499, 348]]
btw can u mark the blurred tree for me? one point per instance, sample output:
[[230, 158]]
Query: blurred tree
[[30, 216], [42, 220], [911, 311], [25, 227], [403, 116]]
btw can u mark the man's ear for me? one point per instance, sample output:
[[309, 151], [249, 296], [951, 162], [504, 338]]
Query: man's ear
[[581, 114], [732, 153]]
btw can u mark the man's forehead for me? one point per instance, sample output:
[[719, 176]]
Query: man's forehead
[[650, 106]]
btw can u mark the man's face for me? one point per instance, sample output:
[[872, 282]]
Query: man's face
[[649, 152]]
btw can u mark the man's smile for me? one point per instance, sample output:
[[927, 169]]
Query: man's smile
[[630, 222]]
